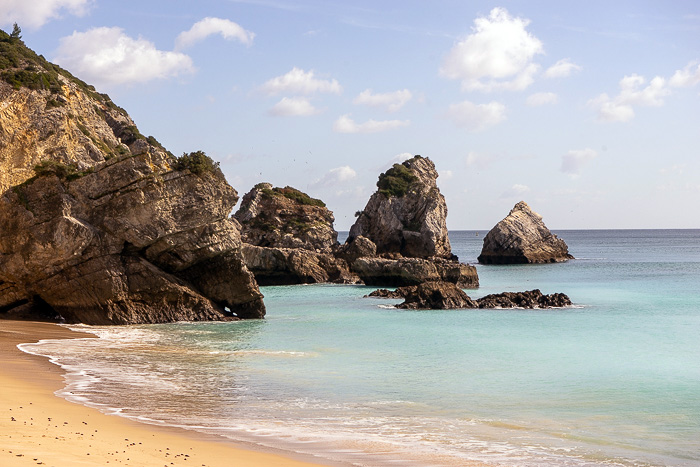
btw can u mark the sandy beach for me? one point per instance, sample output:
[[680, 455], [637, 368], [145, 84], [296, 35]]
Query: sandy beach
[[39, 428]]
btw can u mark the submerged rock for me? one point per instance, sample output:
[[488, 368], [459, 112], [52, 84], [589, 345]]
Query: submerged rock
[[522, 237], [407, 214]]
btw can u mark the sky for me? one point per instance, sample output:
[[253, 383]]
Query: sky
[[588, 111]]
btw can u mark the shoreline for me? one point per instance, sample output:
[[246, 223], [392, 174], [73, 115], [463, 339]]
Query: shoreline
[[38, 427]]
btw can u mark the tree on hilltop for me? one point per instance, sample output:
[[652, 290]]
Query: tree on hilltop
[[16, 32]]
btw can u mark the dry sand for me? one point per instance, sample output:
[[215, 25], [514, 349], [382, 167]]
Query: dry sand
[[39, 428]]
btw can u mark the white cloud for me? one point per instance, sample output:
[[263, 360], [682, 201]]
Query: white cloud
[[632, 93], [335, 176], [476, 117], [36, 13], [573, 161], [388, 101], [298, 81], [293, 107], [497, 55], [446, 174], [541, 98], [562, 69], [345, 124], [209, 26], [687, 77], [515, 191], [107, 56], [478, 161]]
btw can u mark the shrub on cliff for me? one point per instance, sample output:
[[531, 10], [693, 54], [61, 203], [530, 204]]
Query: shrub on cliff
[[63, 171], [395, 181], [196, 162], [300, 197]]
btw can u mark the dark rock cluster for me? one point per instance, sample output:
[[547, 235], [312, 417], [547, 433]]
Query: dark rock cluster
[[446, 296]]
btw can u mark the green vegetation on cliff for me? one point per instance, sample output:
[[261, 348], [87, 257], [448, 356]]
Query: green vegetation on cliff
[[396, 180], [291, 193], [21, 67], [196, 162]]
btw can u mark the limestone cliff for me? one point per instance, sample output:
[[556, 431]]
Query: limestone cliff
[[98, 223], [522, 237], [407, 214]]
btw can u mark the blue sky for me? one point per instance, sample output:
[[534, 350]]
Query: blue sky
[[589, 111]]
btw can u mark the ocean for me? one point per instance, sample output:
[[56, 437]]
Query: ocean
[[612, 381]]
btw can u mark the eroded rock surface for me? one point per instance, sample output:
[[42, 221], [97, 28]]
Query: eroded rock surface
[[101, 225], [529, 299], [131, 242], [440, 295], [285, 218], [407, 215], [522, 237]]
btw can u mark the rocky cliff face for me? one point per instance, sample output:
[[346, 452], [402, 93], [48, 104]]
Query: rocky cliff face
[[522, 237], [285, 218], [100, 224], [407, 215]]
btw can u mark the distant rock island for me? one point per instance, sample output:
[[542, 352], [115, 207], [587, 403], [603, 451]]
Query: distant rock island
[[521, 238]]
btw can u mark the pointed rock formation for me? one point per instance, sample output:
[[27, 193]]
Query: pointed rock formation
[[522, 237], [400, 238], [407, 215]]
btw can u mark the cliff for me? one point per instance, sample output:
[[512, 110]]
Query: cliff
[[522, 237], [101, 225]]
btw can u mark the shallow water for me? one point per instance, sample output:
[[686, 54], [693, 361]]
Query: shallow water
[[614, 380]]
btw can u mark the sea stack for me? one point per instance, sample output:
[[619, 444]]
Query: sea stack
[[288, 238], [285, 218], [407, 214], [522, 238], [102, 225], [400, 238]]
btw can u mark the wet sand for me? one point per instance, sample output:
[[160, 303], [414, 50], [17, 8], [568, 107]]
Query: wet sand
[[40, 428]]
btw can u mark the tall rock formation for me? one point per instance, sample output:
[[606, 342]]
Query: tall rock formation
[[100, 224], [407, 215], [400, 238], [522, 237]]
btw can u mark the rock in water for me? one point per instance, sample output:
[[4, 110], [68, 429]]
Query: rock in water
[[530, 299], [435, 296], [439, 295], [102, 225], [522, 237], [285, 218], [407, 215]]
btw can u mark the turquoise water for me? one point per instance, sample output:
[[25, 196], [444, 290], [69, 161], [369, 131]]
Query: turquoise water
[[614, 380]]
